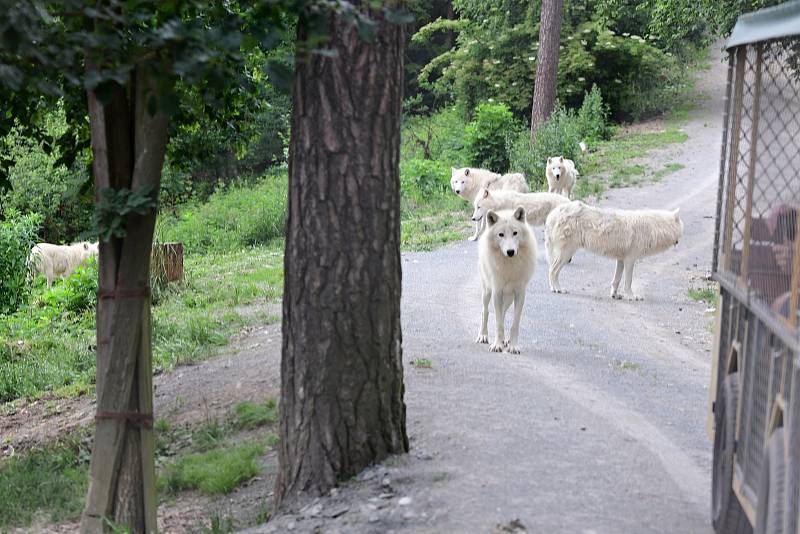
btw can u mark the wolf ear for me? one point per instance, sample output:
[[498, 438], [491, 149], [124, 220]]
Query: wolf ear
[[86, 246], [485, 193], [676, 213], [453, 170], [561, 159], [491, 217], [466, 171], [519, 214], [548, 160]]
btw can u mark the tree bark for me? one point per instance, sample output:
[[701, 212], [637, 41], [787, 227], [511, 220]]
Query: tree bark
[[342, 403], [544, 89], [128, 145]]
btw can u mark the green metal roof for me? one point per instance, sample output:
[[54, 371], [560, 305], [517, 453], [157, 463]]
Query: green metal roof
[[765, 24]]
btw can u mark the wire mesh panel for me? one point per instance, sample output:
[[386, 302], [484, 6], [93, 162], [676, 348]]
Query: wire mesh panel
[[761, 176]]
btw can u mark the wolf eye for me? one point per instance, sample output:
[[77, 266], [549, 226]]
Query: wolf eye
[[501, 234], [515, 233]]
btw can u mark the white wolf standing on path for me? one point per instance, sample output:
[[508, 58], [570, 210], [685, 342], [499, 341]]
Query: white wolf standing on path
[[506, 259], [561, 175], [467, 182], [624, 235], [537, 205]]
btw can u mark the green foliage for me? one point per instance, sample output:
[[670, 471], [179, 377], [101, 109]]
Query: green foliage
[[234, 217], [53, 479], [115, 205], [706, 294], [487, 137], [219, 470], [421, 179], [39, 183], [17, 236], [438, 136], [249, 415], [78, 292], [592, 117]]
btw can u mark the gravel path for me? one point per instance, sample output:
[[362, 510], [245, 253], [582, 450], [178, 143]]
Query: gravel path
[[597, 427]]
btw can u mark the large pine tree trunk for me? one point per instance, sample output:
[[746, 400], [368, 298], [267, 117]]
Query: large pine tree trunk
[[544, 90], [128, 145], [341, 372]]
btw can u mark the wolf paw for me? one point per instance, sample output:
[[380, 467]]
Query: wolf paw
[[512, 349], [496, 347], [559, 290], [631, 296], [482, 338], [616, 296]]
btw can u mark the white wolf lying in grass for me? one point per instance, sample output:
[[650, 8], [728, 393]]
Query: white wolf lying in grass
[[506, 259], [59, 261], [624, 235], [561, 175], [467, 182], [537, 205]]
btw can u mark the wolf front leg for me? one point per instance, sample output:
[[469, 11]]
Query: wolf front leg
[[513, 340], [615, 282], [479, 226], [629, 263], [483, 336], [499, 313]]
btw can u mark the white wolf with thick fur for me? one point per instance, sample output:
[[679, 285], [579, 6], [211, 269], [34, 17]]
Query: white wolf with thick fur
[[537, 205], [467, 182], [59, 261], [624, 235], [561, 175], [506, 259]]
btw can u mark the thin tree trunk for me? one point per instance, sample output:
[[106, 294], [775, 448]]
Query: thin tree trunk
[[341, 371], [544, 89], [128, 146]]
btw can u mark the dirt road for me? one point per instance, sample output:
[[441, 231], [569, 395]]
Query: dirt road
[[597, 427]]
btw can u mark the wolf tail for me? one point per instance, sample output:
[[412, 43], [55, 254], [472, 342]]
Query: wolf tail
[[548, 245]]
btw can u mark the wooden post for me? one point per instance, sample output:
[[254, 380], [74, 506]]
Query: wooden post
[[751, 169], [741, 58], [795, 276]]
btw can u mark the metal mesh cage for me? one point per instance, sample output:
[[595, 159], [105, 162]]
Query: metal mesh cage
[[757, 253], [757, 244]]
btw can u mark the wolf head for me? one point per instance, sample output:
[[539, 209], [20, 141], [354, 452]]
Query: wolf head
[[460, 180], [482, 204], [508, 230], [556, 166]]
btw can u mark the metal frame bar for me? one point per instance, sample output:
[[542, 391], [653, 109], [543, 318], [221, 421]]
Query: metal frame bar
[[751, 169], [741, 59], [722, 158]]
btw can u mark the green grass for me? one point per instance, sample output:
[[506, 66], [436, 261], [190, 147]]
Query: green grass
[[41, 352], [609, 165], [51, 481], [706, 294], [249, 415], [216, 471], [422, 363], [442, 219]]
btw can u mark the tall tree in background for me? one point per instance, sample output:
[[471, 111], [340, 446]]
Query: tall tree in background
[[341, 371], [544, 89]]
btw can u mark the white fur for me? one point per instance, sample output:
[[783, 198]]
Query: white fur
[[537, 205], [505, 277], [624, 235], [561, 175], [467, 182], [59, 261]]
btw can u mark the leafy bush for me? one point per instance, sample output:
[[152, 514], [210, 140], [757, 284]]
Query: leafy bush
[[438, 136], [234, 217], [78, 292], [560, 135], [592, 117], [17, 236], [421, 178], [487, 135]]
